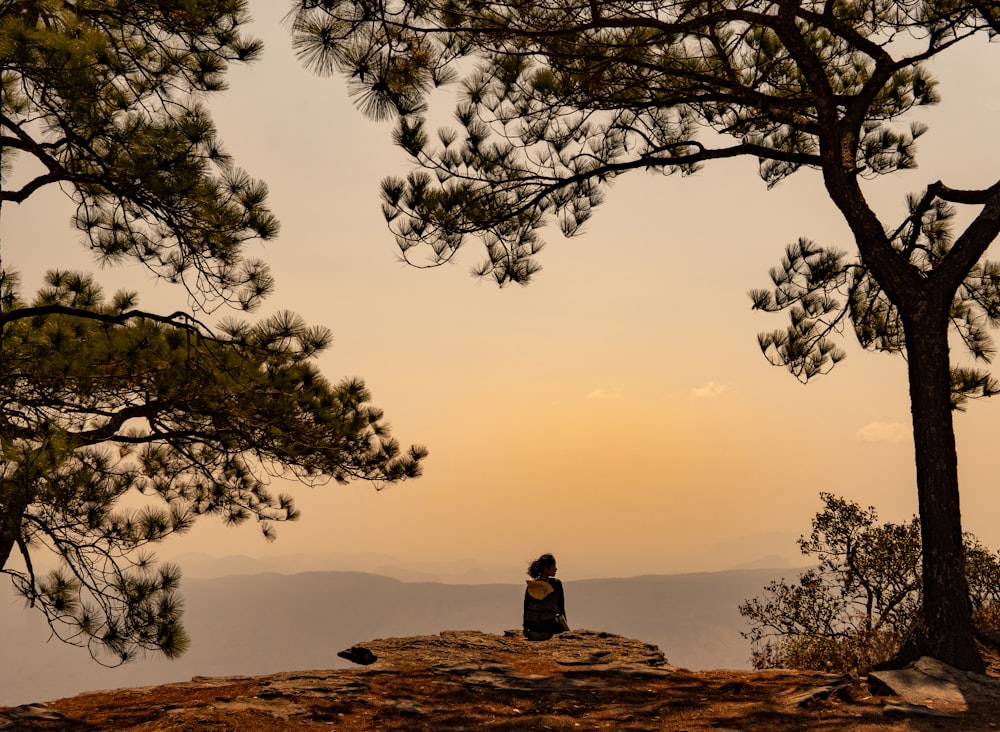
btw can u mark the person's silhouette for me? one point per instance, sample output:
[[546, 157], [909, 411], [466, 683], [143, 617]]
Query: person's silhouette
[[544, 601]]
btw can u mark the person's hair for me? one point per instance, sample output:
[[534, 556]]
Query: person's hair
[[536, 567]]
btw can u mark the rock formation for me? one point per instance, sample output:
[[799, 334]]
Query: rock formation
[[468, 680]]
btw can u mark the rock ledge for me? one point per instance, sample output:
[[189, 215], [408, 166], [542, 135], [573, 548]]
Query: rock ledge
[[581, 648], [469, 680]]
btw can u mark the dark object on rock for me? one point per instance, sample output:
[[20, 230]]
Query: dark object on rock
[[536, 635], [359, 655]]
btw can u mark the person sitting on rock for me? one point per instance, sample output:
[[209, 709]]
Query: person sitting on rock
[[544, 601]]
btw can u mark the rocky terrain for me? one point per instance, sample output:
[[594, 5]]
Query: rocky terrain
[[583, 680], [311, 616]]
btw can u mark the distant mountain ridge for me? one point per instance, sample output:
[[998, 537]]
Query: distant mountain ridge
[[267, 623], [754, 551]]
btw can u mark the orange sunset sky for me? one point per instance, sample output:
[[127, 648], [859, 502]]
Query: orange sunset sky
[[616, 412]]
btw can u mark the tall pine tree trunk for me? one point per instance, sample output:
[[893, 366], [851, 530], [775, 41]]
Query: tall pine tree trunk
[[947, 634]]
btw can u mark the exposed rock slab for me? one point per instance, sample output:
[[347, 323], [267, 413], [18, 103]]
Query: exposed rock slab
[[467, 680], [928, 687], [455, 650], [915, 687]]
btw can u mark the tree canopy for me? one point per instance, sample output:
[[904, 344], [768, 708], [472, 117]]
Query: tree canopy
[[557, 98], [120, 427]]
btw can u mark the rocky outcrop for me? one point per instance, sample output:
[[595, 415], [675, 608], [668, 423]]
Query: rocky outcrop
[[468, 680], [930, 688], [451, 649]]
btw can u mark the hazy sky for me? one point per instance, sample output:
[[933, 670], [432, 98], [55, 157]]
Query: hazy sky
[[617, 411]]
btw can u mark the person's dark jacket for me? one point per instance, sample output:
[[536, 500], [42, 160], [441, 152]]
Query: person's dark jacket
[[545, 606]]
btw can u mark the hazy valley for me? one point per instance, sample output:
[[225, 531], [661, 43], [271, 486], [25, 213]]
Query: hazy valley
[[254, 624]]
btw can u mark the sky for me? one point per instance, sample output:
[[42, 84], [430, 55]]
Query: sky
[[616, 412]]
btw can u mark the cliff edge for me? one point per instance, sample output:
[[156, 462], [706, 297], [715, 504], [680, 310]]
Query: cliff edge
[[582, 680]]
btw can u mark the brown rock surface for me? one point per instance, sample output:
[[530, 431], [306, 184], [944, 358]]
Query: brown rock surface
[[467, 680]]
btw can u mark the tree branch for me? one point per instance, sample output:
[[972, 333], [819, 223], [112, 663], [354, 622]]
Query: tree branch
[[178, 319]]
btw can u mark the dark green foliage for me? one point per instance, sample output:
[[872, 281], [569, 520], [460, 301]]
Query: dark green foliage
[[559, 98], [100, 97], [120, 427], [856, 607], [821, 290]]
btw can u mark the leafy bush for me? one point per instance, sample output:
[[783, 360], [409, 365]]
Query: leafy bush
[[855, 609]]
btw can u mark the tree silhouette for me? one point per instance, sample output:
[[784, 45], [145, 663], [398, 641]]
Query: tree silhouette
[[119, 426], [557, 98]]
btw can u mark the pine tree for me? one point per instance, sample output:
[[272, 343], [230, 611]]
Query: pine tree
[[120, 427]]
